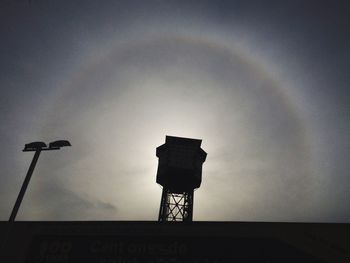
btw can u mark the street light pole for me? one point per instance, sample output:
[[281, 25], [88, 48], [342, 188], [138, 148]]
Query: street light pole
[[36, 147], [25, 185]]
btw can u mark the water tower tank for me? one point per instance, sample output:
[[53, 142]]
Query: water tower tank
[[180, 164]]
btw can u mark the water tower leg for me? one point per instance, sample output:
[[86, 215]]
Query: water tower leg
[[176, 206], [188, 206], [163, 210]]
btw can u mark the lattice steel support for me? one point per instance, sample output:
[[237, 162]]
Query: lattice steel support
[[176, 206]]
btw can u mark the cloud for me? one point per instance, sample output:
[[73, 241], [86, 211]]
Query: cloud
[[51, 200]]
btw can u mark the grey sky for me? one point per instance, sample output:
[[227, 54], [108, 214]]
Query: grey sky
[[264, 85]]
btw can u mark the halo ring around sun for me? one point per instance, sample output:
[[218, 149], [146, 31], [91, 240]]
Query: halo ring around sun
[[151, 62]]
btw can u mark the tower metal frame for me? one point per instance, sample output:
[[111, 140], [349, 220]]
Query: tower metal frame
[[176, 206]]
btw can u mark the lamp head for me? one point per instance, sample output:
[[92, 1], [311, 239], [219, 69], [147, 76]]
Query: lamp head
[[58, 144], [34, 146]]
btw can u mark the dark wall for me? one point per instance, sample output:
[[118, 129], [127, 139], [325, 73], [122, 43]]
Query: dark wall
[[133, 241]]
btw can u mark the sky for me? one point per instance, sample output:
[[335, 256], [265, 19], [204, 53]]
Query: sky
[[263, 84]]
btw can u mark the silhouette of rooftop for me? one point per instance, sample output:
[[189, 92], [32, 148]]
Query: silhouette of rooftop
[[146, 241]]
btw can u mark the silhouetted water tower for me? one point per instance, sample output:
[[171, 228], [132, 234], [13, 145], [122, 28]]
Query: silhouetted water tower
[[179, 172]]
